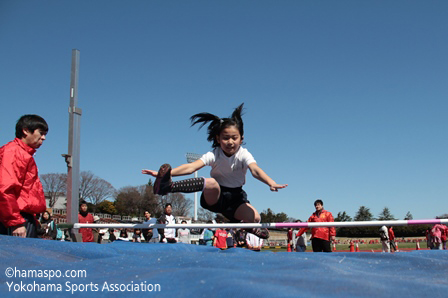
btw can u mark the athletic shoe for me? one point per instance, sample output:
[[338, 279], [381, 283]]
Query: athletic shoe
[[162, 185], [262, 233]]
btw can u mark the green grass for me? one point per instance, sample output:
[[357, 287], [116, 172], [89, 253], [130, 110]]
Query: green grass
[[362, 247]]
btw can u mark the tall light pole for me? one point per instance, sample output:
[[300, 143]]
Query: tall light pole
[[73, 156], [190, 158]]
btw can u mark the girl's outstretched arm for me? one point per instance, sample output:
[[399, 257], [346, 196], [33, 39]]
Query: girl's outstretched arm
[[185, 169], [259, 174]]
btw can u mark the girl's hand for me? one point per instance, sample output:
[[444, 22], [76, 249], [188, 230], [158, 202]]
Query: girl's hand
[[150, 172], [276, 187]]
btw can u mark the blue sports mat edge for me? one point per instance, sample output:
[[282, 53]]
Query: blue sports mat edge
[[123, 269]]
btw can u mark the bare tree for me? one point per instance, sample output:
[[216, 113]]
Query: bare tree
[[205, 215], [54, 185], [101, 190], [181, 205], [135, 200], [86, 184]]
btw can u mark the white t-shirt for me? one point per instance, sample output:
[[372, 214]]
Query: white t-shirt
[[253, 240], [170, 233], [228, 171]]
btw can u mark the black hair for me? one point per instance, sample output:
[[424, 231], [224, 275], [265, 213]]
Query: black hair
[[168, 204], [30, 123], [318, 202], [45, 220], [217, 125]]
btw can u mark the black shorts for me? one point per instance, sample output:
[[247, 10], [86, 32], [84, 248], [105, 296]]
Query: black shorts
[[30, 225], [229, 200]]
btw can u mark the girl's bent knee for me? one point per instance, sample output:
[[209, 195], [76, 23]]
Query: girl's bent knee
[[211, 183]]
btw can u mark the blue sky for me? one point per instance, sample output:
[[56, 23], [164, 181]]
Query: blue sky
[[345, 100]]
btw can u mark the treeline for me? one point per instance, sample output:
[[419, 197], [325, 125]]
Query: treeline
[[102, 197], [364, 214]]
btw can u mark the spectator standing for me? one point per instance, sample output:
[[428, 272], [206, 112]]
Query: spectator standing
[[392, 239], [21, 192], [321, 237], [384, 236], [444, 235], [152, 235], [300, 241], [436, 236], [148, 234], [167, 234], [85, 217]]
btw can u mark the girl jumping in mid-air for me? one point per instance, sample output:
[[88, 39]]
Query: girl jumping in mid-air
[[223, 192]]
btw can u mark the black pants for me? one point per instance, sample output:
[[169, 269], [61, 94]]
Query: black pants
[[392, 245], [320, 245], [30, 225]]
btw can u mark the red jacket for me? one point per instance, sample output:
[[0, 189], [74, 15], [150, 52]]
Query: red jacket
[[87, 234], [322, 232], [391, 234], [20, 186]]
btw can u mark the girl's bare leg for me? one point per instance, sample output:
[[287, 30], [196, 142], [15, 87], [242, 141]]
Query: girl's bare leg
[[211, 191], [247, 213]]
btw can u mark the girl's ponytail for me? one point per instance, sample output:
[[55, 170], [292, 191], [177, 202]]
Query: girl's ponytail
[[204, 118]]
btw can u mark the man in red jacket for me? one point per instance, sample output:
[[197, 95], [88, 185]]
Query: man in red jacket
[[21, 192], [320, 237]]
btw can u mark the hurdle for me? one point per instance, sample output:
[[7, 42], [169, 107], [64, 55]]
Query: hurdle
[[279, 225]]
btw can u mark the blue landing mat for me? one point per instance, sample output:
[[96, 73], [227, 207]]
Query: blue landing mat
[[38, 268]]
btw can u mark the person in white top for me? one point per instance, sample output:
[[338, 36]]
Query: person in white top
[[222, 193], [167, 235], [253, 242], [384, 235]]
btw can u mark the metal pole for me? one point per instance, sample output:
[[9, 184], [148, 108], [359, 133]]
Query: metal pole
[[72, 158], [273, 225], [196, 200], [190, 158]]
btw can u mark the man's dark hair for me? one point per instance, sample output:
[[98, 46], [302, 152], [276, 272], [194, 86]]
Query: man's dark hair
[[30, 123], [318, 202], [168, 204]]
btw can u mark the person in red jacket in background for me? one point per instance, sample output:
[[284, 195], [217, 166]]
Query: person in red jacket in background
[[392, 239], [320, 237], [21, 192], [85, 217]]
